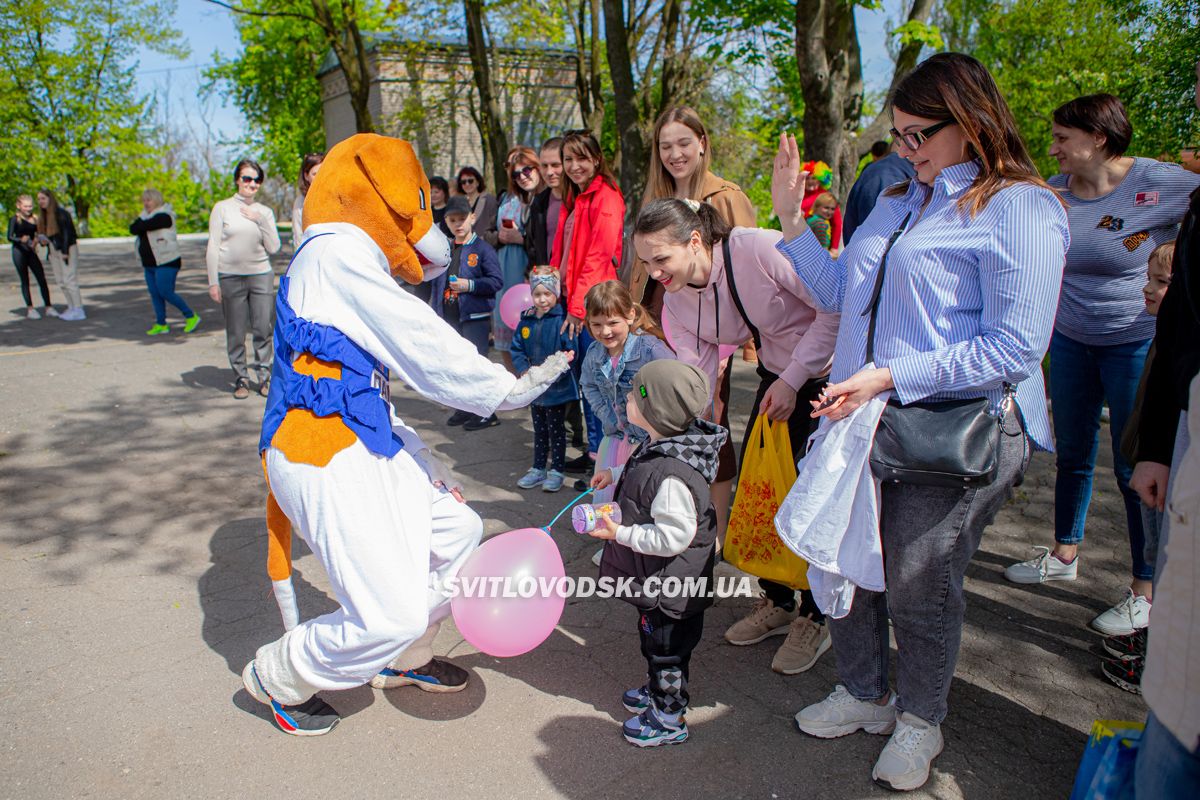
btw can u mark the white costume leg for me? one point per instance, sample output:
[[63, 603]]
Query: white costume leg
[[367, 520], [457, 530]]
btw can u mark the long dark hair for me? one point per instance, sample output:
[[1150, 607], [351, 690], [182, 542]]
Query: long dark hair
[[584, 143], [480, 184], [678, 219], [959, 87], [47, 218], [309, 161]]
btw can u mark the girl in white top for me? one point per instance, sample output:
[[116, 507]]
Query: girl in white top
[[308, 170], [241, 240]]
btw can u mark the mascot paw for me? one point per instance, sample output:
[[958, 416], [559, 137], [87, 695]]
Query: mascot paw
[[537, 380]]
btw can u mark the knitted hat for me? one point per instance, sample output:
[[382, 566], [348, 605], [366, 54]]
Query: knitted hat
[[457, 204], [670, 394]]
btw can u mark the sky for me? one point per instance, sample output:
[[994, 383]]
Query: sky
[[208, 28]]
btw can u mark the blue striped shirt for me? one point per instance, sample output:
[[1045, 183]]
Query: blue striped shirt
[[967, 303]]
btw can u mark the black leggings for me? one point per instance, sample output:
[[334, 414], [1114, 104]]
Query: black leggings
[[26, 261], [800, 426], [549, 436]]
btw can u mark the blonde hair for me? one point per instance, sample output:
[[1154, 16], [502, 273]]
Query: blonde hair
[[1163, 255], [612, 299], [154, 196], [660, 184]]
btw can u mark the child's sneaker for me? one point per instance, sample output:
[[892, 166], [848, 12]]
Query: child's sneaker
[[1130, 646], [437, 676], [532, 479], [1126, 673], [647, 729], [554, 481], [190, 323], [636, 700], [156, 329], [313, 717]]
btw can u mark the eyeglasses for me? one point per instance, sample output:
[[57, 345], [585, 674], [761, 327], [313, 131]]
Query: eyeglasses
[[249, 179], [465, 181], [523, 172], [914, 140]]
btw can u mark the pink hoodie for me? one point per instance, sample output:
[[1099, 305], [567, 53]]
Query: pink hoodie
[[797, 340]]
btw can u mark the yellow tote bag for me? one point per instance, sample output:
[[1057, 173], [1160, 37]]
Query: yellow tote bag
[[751, 541]]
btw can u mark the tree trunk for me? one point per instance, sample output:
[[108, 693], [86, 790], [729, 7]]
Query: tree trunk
[[495, 139], [830, 63], [905, 61], [347, 45], [632, 175], [82, 208]]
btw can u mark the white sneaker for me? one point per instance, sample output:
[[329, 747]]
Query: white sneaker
[[904, 763], [1045, 567], [1126, 617], [33, 313], [73, 314], [51, 311], [842, 713]]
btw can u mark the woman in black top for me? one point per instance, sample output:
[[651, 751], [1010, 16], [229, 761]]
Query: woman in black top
[[159, 250], [22, 233]]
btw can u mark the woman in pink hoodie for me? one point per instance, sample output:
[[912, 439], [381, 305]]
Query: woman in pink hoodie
[[687, 247]]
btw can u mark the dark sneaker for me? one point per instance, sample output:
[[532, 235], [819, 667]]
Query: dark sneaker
[[1131, 645], [313, 717], [636, 700], [1125, 673], [460, 417], [241, 390], [647, 730], [436, 676], [264, 387], [579, 466], [479, 423]]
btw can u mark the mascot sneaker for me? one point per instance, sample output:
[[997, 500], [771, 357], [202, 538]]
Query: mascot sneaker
[[313, 717], [647, 729], [437, 676], [636, 700]]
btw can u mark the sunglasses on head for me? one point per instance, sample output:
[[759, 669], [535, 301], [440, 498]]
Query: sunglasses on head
[[522, 172], [250, 179]]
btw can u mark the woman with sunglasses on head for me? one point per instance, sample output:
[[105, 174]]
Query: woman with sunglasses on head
[[512, 218], [470, 184], [241, 239], [947, 292], [587, 242]]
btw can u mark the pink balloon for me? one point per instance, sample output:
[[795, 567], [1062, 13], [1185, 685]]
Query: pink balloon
[[510, 625], [513, 302], [724, 351]]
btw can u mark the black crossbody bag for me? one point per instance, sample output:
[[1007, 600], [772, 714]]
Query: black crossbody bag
[[947, 443]]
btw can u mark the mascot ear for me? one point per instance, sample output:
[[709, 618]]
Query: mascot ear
[[393, 169]]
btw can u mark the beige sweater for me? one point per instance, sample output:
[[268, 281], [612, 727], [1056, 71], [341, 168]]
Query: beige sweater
[[237, 245]]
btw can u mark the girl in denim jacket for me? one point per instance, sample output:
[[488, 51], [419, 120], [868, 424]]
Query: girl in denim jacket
[[626, 339]]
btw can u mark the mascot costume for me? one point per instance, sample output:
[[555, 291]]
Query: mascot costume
[[379, 511]]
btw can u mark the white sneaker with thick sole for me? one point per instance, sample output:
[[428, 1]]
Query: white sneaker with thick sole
[[51, 311], [906, 758], [73, 314], [841, 714], [1045, 567], [1126, 617], [33, 313]]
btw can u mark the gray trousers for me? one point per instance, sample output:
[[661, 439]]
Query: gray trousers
[[249, 305], [928, 535]]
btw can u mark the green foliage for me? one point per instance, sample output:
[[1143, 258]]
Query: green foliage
[[1161, 98], [922, 32], [70, 119]]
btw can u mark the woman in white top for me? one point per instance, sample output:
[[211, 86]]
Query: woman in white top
[[308, 170], [241, 239]]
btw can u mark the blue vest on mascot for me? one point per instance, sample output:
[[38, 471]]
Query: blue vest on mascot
[[361, 397]]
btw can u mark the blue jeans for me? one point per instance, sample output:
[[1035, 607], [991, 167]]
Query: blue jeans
[[161, 283], [1165, 768], [1082, 377], [595, 432]]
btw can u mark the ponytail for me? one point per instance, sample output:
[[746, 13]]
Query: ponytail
[[678, 218]]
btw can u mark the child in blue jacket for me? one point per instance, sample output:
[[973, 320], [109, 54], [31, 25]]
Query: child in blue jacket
[[537, 337], [466, 294]]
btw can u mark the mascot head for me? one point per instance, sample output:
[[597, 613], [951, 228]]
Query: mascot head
[[376, 183]]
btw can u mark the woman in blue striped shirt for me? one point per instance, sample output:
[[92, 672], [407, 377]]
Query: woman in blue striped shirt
[[965, 311]]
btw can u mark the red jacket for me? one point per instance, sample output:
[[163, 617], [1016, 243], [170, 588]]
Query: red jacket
[[595, 242]]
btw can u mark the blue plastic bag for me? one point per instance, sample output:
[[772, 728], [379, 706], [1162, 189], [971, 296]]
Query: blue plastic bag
[[1106, 769]]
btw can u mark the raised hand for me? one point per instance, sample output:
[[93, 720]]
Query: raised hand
[[787, 187]]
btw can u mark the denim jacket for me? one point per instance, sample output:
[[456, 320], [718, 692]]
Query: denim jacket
[[606, 391]]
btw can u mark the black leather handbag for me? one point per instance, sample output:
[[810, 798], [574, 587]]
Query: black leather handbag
[[949, 443]]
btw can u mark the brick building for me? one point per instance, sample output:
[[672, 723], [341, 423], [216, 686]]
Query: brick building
[[424, 91]]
